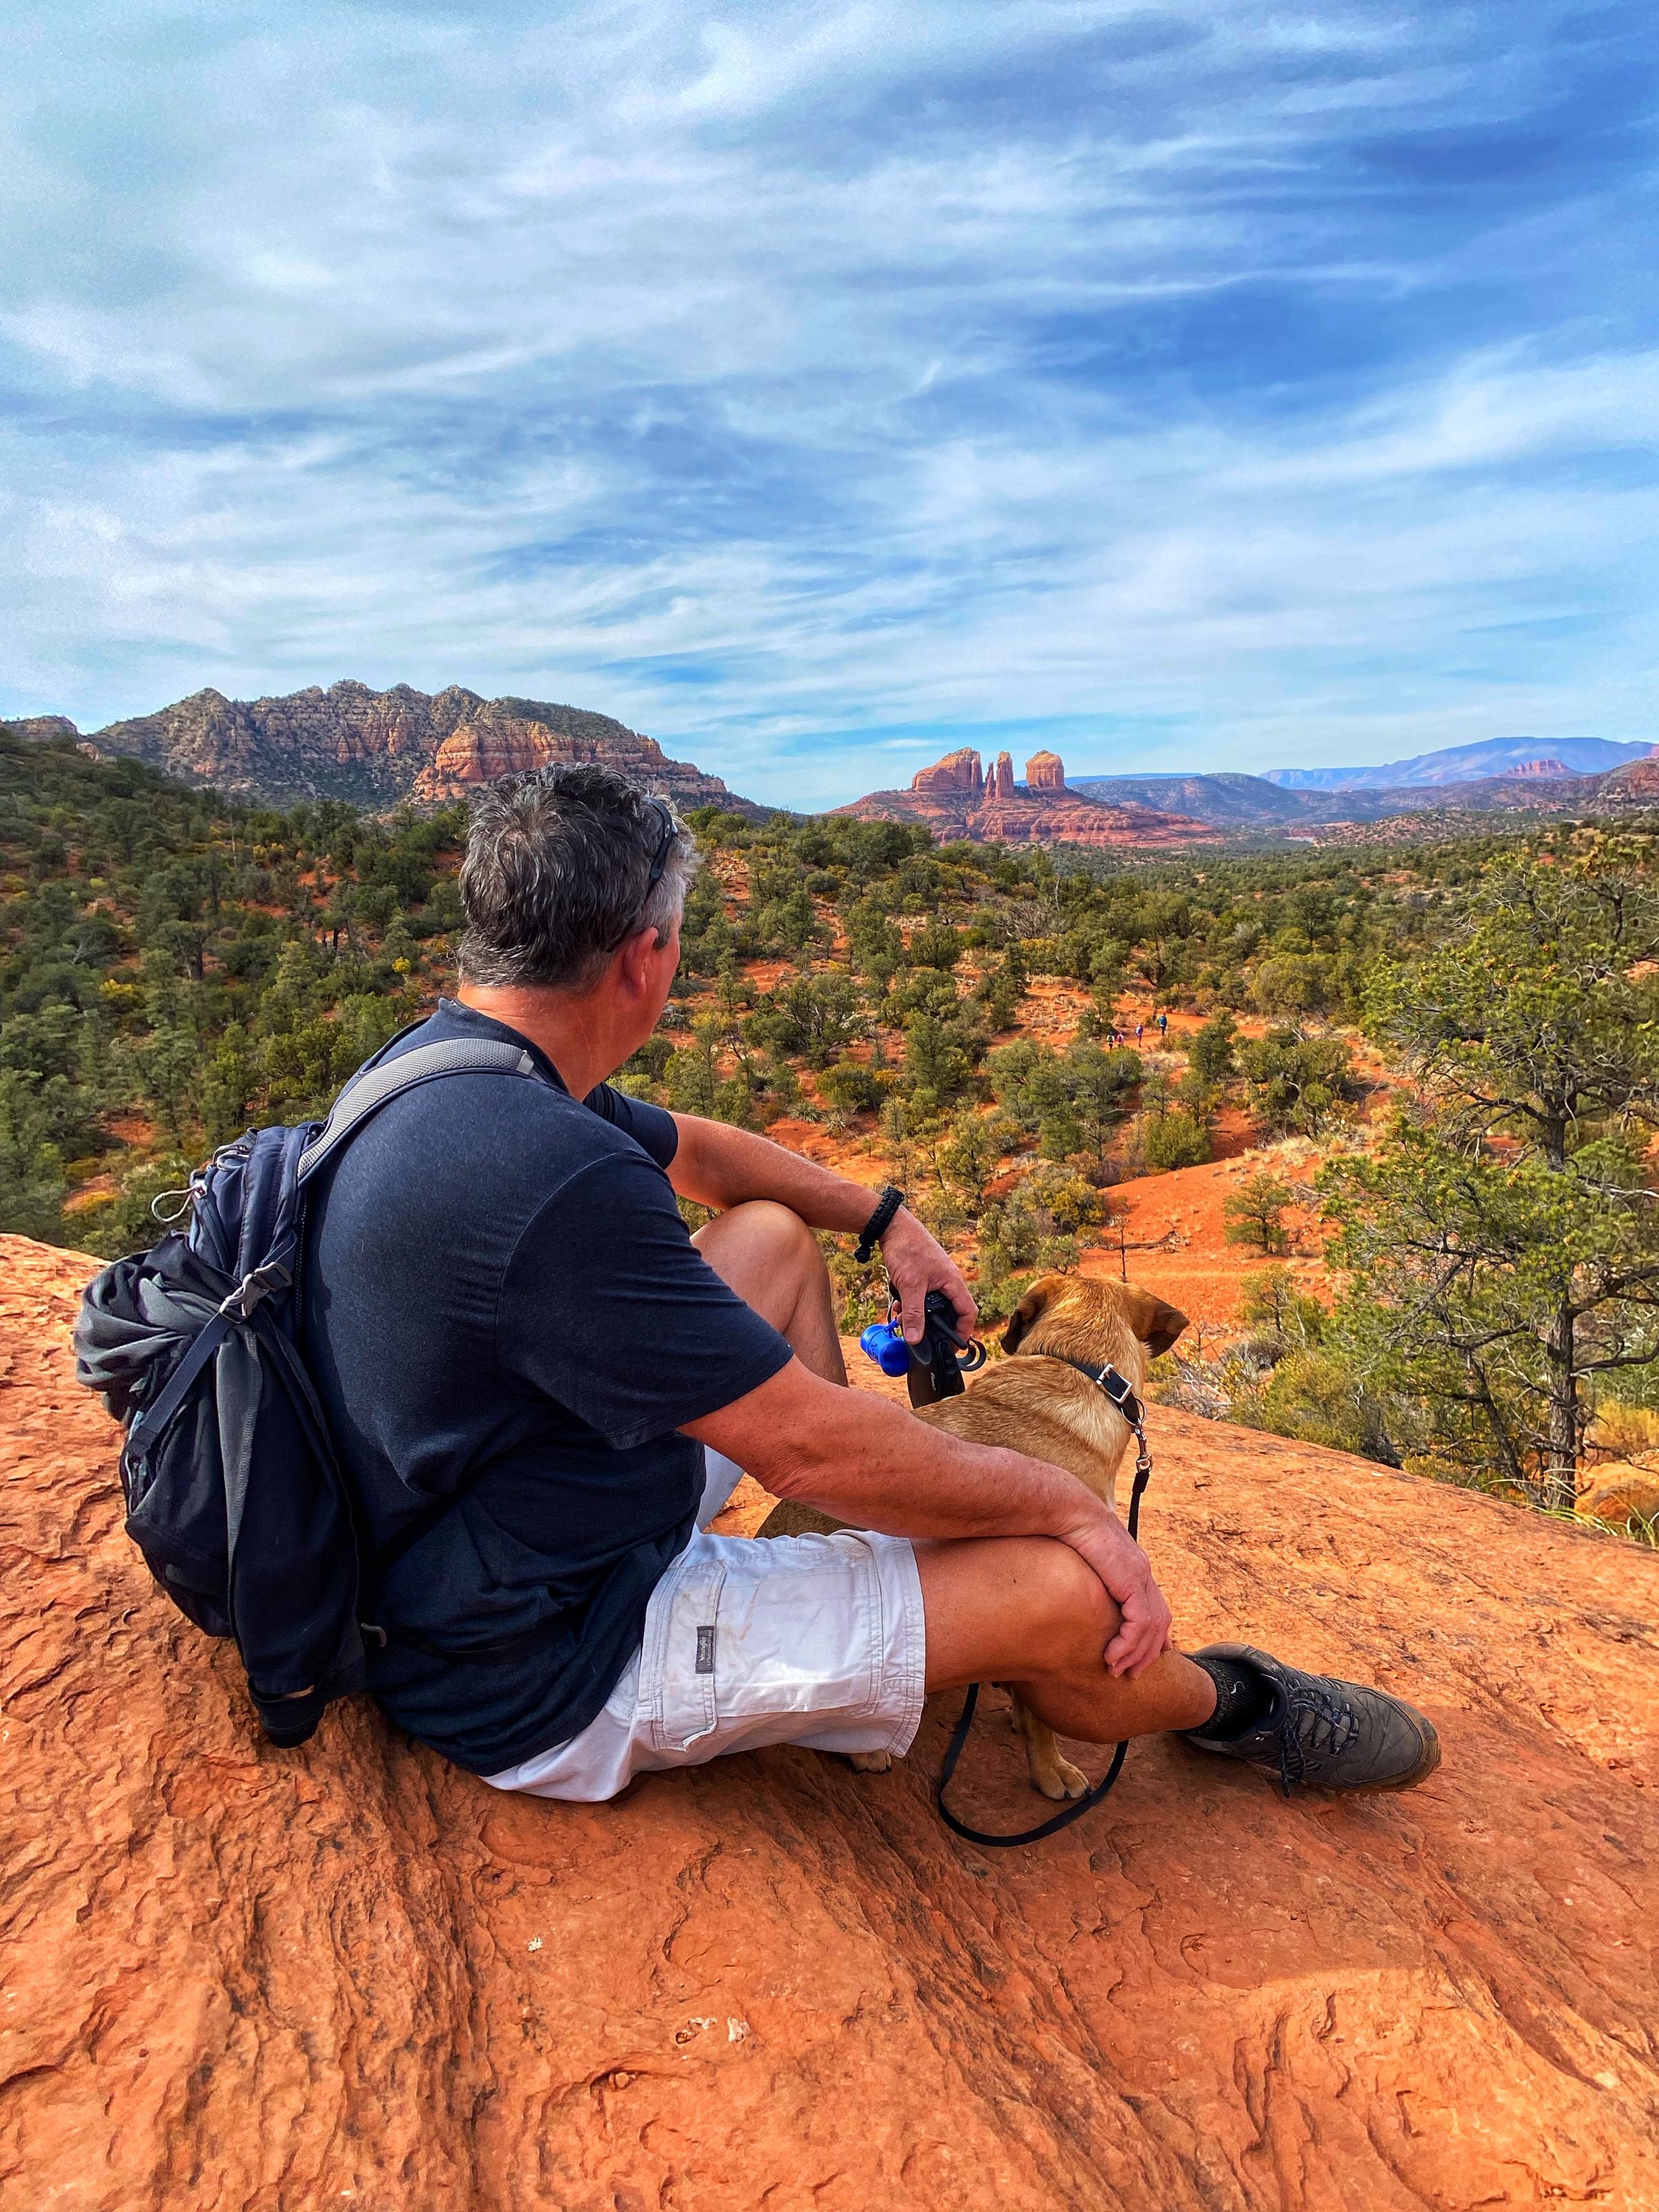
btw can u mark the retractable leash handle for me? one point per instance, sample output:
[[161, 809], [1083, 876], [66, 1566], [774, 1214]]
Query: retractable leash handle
[[942, 1356], [1121, 1393], [936, 1363]]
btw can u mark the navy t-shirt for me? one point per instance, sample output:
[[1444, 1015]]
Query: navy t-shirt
[[502, 1300]]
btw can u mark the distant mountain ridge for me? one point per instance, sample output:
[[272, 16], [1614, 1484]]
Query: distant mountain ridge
[[1226, 800], [1241, 804], [375, 749], [1469, 764]]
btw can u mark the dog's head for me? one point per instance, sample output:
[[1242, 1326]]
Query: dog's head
[[1082, 1317]]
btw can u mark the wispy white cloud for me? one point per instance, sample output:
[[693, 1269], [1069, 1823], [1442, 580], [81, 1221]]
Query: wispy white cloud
[[816, 387]]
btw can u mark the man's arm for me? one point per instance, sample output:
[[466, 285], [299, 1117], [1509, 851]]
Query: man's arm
[[870, 1462], [723, 1167]]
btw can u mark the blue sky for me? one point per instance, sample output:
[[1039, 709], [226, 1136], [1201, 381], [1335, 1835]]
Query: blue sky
[[817, 387]]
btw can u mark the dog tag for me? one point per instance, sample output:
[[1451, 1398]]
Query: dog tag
[[705, 1651]]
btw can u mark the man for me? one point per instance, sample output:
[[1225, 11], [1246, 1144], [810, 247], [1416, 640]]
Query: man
[[504, 1310]]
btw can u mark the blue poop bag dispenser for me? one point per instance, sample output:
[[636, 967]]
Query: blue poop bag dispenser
[[885, 1344], [933, 1368]]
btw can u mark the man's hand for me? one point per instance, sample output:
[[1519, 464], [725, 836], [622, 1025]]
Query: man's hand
[[1126, 1570], [722, 1167], [873, 1465], [916, 1263]]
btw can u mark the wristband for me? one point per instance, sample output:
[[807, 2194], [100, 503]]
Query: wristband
[[878, 1225]]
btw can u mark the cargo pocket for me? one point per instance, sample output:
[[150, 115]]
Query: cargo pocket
[[800, 1633], [680, 1658]]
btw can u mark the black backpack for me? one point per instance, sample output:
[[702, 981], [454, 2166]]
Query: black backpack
[[234, 1491]]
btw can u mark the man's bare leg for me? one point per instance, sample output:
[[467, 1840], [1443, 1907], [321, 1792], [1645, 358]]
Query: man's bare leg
[[1024, 1610], [1027, 1611], [771, 1259]]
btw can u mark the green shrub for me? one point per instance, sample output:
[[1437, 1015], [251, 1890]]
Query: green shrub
[[850, 1088], [1173, 1140]]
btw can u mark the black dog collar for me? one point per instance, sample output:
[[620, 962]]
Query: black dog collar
[[1118, 1387]]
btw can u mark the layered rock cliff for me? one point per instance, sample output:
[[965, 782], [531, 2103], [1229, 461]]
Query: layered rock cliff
[[376, 748], [351, 1975], [1635, 786], [956, 799], [957, 774], [43, 729]]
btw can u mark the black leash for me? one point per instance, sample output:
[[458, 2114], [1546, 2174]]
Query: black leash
[[1121, 1391]]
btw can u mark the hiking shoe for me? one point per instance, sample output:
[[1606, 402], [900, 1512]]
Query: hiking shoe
[[1323, 1734]]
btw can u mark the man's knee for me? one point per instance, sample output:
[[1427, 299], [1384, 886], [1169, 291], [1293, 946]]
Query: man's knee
[[763, 1228], [1071, 1611], [1011, 1609], [765, 1252], [777, 1224]]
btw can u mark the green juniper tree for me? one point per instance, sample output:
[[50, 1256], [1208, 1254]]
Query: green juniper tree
[[1254, 1213], [1212, 1056], [1501, 1245]]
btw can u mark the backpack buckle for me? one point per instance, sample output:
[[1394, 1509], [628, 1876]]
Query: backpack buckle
[[255, 1287], [368, 1628]]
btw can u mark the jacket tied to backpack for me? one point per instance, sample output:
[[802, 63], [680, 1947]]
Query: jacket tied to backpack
[[234, 1492]]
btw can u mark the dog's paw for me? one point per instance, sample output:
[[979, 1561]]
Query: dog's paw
[[1059, 1779], [870, 1762]]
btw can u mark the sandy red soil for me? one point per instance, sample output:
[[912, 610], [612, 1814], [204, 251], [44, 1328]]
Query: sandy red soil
[[353, 1975], [1195, 1268]]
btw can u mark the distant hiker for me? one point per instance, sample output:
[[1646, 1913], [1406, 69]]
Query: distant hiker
[[504, 1310], [1164, 1025], [1140, 1031]]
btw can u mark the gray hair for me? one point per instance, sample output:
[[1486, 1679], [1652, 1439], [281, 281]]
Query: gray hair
[[557, 875]]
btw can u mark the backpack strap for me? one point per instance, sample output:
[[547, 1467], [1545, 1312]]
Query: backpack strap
[[371, 1088], [384, 1080], [154, 1418]]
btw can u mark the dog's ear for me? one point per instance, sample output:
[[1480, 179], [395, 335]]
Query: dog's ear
[[1154, 1321], [1025, 1313]]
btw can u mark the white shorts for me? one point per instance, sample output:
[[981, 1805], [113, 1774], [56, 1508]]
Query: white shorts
[[813, 1640]]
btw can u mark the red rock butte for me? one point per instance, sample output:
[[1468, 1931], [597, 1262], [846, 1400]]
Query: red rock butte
[[267, 1981], [957, 799], [957, 772], [380, 749]]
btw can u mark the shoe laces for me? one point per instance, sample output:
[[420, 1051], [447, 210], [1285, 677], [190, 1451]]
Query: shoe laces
[[1328, 1716]]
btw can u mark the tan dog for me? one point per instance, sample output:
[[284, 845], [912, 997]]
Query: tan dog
[[1038, 1404]]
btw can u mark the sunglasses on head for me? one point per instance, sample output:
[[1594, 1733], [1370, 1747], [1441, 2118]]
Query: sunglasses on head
[[671, 830]]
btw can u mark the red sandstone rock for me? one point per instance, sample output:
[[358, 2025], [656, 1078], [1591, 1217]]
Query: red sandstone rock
[[489, 745], [1619, 1490], [1022, 818], [1546, 767], [375, 748], [956, 800], [247, 1980], [1636, 784], [957, 772]]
